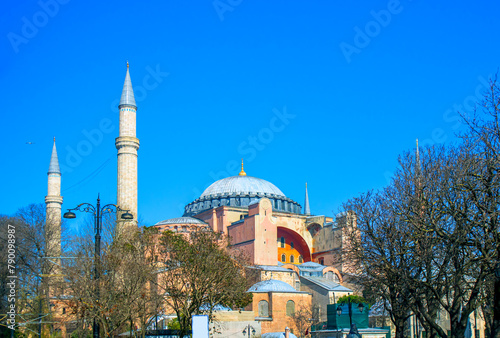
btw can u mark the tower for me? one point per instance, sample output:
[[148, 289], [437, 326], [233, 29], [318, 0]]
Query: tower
[[53, 202], [307, 209], [127, 145]]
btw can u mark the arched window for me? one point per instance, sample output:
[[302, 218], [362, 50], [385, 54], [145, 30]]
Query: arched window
[[322, 261], [264, 308], [292, 259], [282, 242], [301, 260], [283, 258], [290, 308], [291, 245]]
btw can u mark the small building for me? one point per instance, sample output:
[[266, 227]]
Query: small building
[[275, 302]]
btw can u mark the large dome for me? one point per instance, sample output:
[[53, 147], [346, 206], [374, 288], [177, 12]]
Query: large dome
[[242, 185], [241, 191]]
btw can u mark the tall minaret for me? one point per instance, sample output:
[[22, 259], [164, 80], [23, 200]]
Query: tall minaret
[[127, 145], [53, 202], [307, 209]]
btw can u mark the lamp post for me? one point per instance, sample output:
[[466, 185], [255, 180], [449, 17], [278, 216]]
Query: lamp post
[[98, 212], [249, 327]]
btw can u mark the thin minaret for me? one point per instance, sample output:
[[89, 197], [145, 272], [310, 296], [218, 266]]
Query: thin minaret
[[417, 159], [53, 204], [127, 145], [307, 209]]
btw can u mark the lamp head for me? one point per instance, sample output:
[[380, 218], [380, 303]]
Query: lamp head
[[127, 215], [69, 214]]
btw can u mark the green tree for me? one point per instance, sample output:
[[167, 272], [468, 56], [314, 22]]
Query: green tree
[[200, 273]]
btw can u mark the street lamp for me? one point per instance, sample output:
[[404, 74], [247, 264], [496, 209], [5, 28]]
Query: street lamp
[[98, 212], [249, 327]]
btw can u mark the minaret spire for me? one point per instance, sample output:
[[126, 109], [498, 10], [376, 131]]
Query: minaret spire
[[307, 209], [54, 161], [417, 160], [127, 145], [127, 98]]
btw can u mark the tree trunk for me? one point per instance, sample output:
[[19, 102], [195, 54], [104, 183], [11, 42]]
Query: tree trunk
[[400, 328]]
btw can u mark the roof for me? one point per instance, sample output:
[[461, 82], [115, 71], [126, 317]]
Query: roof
[[327, 284], [181, 220], [127, 97], [241, 185], [272, 285], [54, 161]]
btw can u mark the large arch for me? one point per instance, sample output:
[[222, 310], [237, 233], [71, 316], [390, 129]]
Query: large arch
[[335, 271], [293, 244]]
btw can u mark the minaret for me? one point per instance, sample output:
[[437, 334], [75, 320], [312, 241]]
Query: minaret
[[53, 202], [127, 145], [307, 209]]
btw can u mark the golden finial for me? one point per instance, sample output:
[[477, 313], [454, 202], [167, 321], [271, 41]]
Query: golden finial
[[242, 172], [306, 185], [54, 139], [127, 63]]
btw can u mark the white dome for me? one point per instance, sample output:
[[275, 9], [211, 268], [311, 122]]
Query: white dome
[[181, 220], [271, 285], [242, 185]]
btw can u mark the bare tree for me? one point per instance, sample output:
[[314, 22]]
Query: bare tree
[[483, 139], [304, 317], [127, 271]]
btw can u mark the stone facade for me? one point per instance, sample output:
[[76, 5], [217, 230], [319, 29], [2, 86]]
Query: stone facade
[[277, 317]]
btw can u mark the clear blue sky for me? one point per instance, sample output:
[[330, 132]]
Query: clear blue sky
[[361, 79]]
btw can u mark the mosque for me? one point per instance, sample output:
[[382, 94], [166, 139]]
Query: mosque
[[297, 252]]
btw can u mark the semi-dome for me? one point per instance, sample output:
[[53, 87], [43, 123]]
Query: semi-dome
[[181, 220], [271, 285], [242, 185]]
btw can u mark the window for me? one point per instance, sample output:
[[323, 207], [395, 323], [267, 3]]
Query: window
[[291, 245], [282, 242], [322, 261], [292, 259], [301, 260], [290, 308], [264, 308], [283, 258]]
